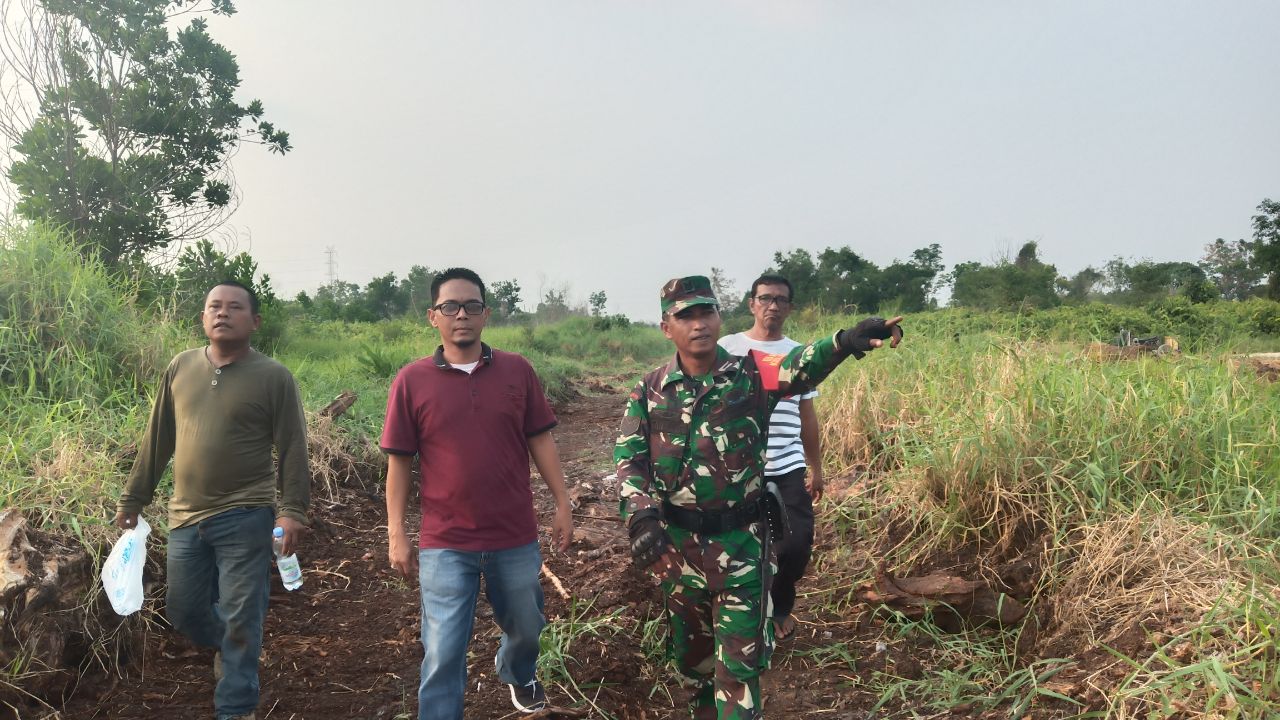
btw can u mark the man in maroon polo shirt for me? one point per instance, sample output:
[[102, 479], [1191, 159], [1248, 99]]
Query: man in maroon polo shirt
[[473, 416]]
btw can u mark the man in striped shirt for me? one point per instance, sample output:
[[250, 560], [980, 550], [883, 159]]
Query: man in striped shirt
[[793, 440]]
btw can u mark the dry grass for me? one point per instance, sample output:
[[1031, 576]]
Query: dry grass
[[1149, 604], [1144, 492], [1126, 569], [1107, 352], [339, 457]]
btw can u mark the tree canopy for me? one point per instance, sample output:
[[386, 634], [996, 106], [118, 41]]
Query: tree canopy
[[1026, 282], [128, 144], [1266, 244], [842, 280]]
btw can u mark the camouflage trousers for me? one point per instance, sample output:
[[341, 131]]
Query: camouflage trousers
[[720, 641]]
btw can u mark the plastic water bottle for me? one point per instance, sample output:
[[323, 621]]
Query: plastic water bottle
[[290, 570]]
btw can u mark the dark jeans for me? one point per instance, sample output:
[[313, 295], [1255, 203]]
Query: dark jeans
[[219, 579], [793, 555]]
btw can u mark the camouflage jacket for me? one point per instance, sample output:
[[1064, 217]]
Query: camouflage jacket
[[699, 443]]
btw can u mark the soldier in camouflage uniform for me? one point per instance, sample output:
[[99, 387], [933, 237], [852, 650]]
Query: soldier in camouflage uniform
[[690, 458]]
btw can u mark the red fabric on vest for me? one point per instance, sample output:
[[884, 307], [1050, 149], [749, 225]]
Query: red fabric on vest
[[769, 365]]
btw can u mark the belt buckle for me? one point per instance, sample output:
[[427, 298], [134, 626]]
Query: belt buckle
[[732, 519], [710, 523]]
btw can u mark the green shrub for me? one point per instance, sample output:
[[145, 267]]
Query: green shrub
[[380, 362], [77, 357], [67, 331]]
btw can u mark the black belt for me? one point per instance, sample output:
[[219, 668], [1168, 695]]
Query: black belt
[[711, 522]]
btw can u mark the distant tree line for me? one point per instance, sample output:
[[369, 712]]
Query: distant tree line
[[1228, 270], [838, 279], [841, 280], [834, 280], [386, 297]]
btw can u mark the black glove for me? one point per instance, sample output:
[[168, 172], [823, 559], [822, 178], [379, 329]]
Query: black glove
[[649, 540], [857, 339]]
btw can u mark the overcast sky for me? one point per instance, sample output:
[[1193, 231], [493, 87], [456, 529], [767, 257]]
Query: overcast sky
[[612, 145]]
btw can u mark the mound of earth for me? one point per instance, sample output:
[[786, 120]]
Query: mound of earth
[[1264, 365]]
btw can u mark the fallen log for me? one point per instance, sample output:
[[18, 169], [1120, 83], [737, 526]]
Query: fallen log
[[950, 600], [43, 610], [14, 554], [340, 404]]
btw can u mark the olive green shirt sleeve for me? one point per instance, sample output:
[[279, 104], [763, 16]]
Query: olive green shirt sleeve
[[289, 434], [154, 452]]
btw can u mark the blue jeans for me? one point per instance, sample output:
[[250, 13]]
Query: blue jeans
[[219, 578], [450, 583]]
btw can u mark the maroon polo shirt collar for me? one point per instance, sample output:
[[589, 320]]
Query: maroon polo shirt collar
[[486, 356]]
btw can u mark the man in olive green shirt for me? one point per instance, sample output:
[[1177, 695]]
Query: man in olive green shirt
[[220, 412]]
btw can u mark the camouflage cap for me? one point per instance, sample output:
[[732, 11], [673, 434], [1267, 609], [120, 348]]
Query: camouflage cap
[[685, 292]]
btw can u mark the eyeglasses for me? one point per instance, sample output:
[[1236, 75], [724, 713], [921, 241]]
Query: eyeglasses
[[451, 308], [778, 300]]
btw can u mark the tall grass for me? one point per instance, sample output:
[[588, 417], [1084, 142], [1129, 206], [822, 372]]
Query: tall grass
[[76, 358], [1135, 486], [992, 432], [1201, 327], [330, 357]]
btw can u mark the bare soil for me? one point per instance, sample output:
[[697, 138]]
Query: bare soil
[[1264, 365], [346, 644]]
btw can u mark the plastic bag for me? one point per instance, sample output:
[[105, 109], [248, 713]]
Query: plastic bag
[[122, 572]]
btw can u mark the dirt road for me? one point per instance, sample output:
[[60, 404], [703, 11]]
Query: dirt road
[[346, 644]]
